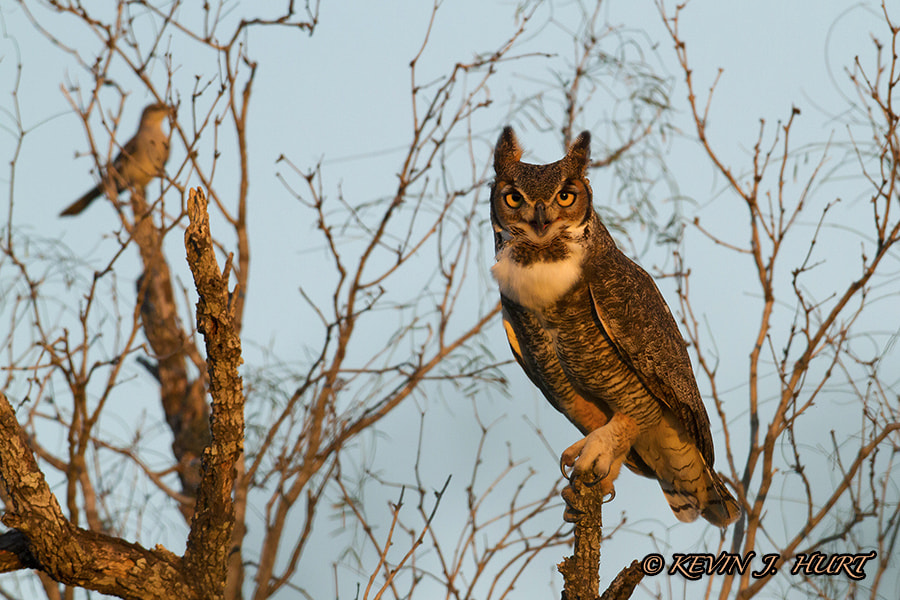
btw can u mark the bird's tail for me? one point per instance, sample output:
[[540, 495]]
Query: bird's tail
[[82, 203], [721, 508], [707, 497]]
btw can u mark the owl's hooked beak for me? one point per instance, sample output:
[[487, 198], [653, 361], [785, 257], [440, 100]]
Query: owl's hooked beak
[[540, 223]]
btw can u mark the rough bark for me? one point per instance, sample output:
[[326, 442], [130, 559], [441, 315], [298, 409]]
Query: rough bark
[[625, 582], [42, 537], [581, 571], [209, 541]]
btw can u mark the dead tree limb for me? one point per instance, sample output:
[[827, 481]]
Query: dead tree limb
[[209, 540]]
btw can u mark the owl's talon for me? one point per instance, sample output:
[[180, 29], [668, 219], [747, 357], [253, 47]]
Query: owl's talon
[[596, 480], [572, 514], [606, 486], [570, 497], [597, 458], [570, 457]]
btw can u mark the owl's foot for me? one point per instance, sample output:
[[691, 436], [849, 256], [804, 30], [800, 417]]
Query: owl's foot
[[592, 461], [574, 497], [597, 458], [570, 497]]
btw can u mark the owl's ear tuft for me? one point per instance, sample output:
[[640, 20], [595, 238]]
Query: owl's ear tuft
[[580, 152], [507, 151]]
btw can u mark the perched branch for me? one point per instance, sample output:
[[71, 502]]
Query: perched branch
[[581, 570]]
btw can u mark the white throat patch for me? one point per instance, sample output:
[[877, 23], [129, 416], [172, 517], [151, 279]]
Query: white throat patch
[[540, 284]]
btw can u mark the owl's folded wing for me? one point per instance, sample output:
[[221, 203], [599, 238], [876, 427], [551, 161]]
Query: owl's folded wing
[[631, 311]]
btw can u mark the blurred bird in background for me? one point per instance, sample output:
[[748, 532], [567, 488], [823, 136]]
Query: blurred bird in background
[[142, 158]]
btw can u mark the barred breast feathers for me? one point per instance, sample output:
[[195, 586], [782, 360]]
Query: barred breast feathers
[[538, 284]]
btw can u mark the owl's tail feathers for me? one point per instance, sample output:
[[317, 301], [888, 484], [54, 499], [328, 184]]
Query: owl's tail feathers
[[82, 203], [719, 508]]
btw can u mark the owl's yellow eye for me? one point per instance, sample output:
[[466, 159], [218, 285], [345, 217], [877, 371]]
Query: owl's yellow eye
[[513, 199], [565, 198]]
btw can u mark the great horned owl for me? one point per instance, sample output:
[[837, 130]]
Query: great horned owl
[[593, 333]]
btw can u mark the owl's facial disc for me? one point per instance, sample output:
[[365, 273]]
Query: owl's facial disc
[[541, 222]]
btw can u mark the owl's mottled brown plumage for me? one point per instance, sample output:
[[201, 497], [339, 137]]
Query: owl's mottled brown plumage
[[592, 332]]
